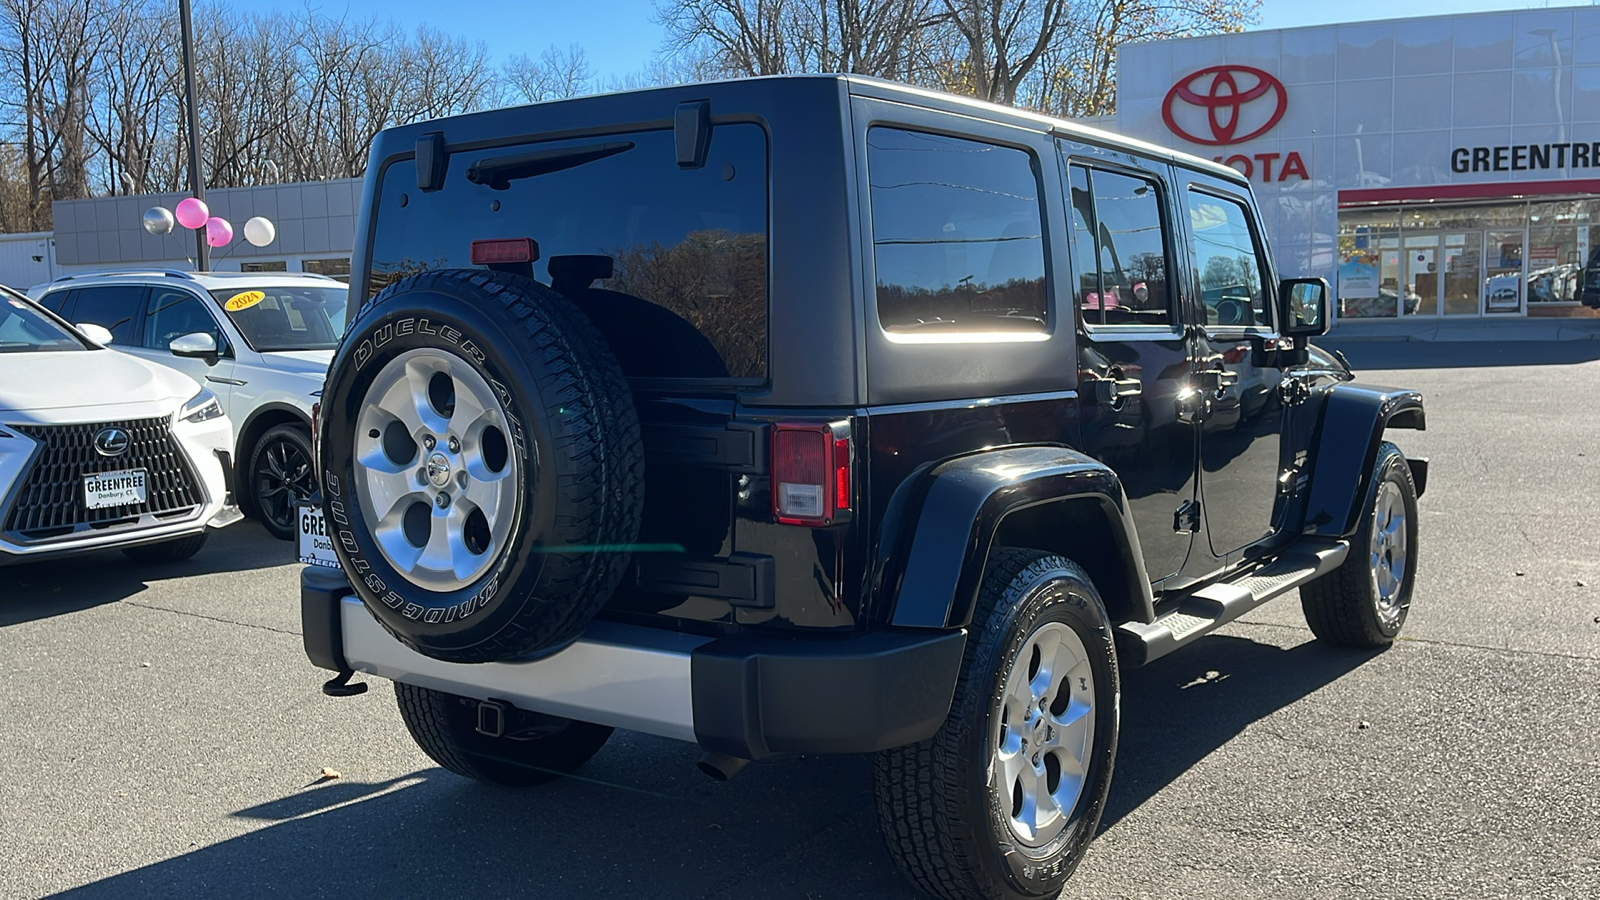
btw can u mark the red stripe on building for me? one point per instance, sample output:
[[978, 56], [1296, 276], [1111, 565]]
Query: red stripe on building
[[1427, 193]]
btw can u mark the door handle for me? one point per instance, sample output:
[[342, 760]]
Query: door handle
[[1114, 391], [1219, 380]]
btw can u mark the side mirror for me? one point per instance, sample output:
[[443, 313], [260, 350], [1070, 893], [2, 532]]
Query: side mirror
[[94, 332], [1304, 307], [198, 345]]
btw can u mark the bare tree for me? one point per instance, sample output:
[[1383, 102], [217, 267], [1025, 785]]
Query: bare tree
[[737, 37], [16, 210], [140, 96], [1001, 41], [1078, 76], [1053, 55], [48, 54], [775, 37], [556, 74], [445, 75]]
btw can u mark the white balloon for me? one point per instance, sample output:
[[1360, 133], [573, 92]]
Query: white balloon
[[259, 231], [158, 220]]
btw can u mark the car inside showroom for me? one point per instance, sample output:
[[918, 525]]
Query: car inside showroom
[[1440, 167]]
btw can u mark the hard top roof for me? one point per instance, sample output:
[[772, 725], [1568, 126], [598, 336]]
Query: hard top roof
[[883, 89], [905, 93]]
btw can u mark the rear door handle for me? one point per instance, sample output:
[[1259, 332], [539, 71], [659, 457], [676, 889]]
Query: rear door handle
[[1219, 380], [1114, 391]]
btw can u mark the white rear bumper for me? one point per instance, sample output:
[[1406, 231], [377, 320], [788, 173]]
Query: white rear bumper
[[619, 675]]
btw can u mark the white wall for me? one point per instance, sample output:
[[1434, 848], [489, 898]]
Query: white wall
[[27, 259], [1381, 105]]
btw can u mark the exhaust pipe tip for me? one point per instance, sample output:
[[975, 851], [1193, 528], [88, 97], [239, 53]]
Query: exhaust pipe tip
[[720, 766]]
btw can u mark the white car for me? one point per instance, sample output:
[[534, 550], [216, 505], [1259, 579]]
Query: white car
[[261, 341], [99, 449]]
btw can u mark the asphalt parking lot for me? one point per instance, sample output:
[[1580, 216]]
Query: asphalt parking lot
[[161, 734]]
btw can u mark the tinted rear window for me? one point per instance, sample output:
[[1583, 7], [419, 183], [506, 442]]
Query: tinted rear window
[[957, 236], [687, 248]]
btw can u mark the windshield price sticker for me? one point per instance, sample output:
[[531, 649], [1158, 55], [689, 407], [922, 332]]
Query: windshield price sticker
[[243, 300], [316, 544]]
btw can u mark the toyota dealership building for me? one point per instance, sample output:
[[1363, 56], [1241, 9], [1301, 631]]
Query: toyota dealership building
[[1444, 166]]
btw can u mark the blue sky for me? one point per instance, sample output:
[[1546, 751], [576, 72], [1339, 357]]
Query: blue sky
[[620, 36]]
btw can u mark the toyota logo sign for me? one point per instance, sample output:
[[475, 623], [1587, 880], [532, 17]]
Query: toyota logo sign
[[112, 442], [1223, 105]]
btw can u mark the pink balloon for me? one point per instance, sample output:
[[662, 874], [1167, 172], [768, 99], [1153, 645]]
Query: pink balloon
[[192, 213], [219, 231]]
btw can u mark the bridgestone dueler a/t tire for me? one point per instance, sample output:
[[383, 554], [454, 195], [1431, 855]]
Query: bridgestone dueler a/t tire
[[536, 748], [1342, 607], [573, 438], [938, 811]]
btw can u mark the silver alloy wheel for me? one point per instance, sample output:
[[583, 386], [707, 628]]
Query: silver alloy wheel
[[1389, 550], [435, 474], [1044, 733]]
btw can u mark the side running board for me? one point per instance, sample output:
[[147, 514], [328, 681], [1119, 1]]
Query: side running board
[[1215, 605]]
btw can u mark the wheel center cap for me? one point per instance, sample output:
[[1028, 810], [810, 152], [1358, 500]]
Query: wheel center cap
[[438, 470], [1038, 730]]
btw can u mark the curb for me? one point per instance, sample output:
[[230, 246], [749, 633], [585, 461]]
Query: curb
[[1469, 336]]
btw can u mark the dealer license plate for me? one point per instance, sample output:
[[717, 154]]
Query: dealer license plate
[[124, 487], [316, 544]]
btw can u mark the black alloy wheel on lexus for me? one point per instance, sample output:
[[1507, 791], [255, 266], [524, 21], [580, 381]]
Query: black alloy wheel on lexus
[[281, 474]]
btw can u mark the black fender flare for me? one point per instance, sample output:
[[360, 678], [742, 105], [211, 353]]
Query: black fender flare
[[1354, 417], [964, 501]]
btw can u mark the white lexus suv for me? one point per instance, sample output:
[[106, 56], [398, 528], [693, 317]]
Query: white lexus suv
[[99, 449], [261, 341]]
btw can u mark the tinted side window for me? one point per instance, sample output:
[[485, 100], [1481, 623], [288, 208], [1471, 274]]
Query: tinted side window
[[1120, 244], [173, 314], [1228, 263], [669, 263], [56, 302], [114, 308], [957, 236]]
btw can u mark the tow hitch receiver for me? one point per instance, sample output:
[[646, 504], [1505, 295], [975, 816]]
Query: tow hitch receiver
[[492, 718]]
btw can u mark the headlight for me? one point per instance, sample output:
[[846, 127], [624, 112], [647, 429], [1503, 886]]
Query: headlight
[[202, 407]]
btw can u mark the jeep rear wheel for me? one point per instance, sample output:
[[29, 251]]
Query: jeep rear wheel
[[1004, 800], [531, 749], [482, 465]]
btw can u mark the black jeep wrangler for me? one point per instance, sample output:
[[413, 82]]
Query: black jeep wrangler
[[823, 414]]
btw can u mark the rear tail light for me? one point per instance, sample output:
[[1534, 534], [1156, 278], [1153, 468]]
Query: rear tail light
[[504, 251], [811, 480]]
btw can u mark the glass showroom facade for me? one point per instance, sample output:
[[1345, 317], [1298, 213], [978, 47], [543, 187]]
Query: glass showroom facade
[[1450, 259], [1442, 167]]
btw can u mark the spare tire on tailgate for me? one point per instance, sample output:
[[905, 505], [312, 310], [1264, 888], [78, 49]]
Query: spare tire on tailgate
[[482, 467]]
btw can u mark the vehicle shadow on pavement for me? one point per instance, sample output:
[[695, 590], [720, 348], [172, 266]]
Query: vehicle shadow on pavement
[[641, 823], [1178, 710], [638, 821], [30, 591]]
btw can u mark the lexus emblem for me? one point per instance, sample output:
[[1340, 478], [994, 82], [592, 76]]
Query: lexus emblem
[[1230, 104], [112, 442]]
